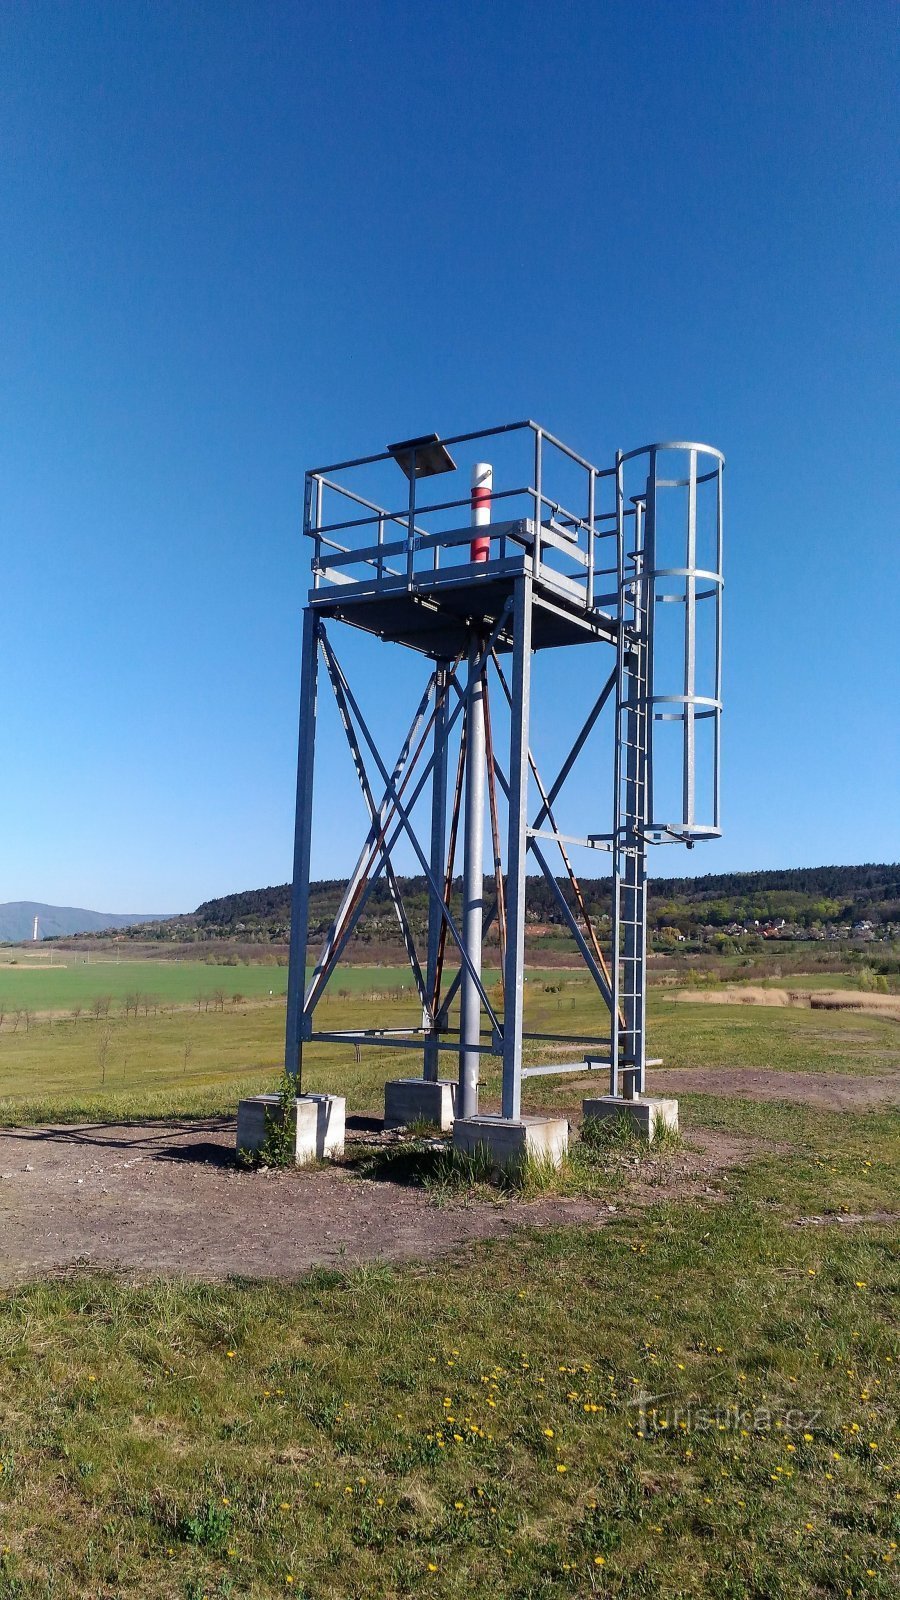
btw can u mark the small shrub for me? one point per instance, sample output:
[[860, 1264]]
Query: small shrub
[[279, 1148]]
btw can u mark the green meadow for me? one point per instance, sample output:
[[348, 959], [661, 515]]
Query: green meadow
[[188, 1052], [695, 1400]]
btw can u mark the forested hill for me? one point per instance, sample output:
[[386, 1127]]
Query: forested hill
[[805, 896]]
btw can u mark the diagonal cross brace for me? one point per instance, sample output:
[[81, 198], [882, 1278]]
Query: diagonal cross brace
[[406, 825], [359, 764], [351, 904], [342, 930], [577, 746], [546, 810], [571, 922], [436, 1006]]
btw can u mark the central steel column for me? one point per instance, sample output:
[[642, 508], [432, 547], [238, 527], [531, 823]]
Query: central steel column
[[473, 868], [517, 848], [431, 1057], [473, 890]]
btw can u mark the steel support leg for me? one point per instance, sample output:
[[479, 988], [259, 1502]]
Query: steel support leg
[[473, 888], [436, 924], [516, 853], [295, 1030], [634, 888]]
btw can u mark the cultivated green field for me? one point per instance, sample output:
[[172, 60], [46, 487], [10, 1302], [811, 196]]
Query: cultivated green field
[[59, 988]]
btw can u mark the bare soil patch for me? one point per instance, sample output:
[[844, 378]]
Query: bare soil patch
[[168, 1198], [746, 994], [829, 1091], [844, 1219]]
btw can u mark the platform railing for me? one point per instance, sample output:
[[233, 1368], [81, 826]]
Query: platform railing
[[350, 529]]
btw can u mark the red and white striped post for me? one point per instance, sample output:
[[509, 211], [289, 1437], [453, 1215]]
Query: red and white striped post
[[482, 485]]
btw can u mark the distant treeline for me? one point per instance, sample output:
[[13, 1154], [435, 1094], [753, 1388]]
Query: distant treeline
[[804, 896]]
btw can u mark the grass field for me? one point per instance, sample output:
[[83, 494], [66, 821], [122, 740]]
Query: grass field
[[696, 1402], [698, 1399]]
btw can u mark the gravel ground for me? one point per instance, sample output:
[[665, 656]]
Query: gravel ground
[[167, 1197]]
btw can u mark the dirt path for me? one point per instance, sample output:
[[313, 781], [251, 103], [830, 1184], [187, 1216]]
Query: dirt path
[[829, 1091], [168, 1198]]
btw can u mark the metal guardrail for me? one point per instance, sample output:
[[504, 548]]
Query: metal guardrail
[[350, 528]]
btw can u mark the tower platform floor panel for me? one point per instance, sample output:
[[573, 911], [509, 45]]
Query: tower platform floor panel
[[436, 611]]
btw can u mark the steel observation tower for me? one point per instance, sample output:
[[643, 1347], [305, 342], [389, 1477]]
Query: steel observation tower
[[478, 565]]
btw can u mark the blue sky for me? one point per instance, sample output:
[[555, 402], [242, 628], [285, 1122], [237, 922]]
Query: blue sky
[[240, 239]]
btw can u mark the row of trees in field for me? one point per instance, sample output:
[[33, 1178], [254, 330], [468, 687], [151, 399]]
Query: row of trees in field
[[103, 1006]]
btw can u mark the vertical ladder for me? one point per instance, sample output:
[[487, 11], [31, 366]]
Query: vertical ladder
[[632, 800]]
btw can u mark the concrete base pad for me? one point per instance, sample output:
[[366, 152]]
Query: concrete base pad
[[508, 1143], [409, 1100], [650, 1116], [318, 1123]]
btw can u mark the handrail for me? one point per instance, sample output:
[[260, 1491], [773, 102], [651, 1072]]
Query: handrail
[[571, 537]]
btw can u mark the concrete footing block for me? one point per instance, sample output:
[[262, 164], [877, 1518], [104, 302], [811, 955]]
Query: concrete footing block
[[409, 1100], [650, 1116], [318, 1122], [508, 1143]]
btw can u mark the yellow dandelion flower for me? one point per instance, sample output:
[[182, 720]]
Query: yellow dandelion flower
[[560, 1467]]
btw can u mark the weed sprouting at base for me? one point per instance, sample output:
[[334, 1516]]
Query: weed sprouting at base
[[279, 1148]]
